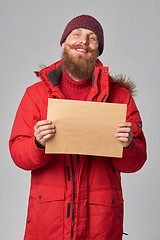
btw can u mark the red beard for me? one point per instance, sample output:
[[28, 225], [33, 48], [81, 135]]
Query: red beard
[[79, 67]]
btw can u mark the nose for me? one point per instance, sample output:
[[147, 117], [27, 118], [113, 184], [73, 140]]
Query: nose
[[84, 39]]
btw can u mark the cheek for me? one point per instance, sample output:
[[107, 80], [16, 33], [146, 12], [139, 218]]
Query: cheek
[[70, 40], [94, 46]]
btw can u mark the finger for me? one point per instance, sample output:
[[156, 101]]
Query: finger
[[42, 122], [126, 135], [43, 128], [46, 127], [125, 130], [48, 136], [45, 139], [42, 134], [123, 139], [126, 124]]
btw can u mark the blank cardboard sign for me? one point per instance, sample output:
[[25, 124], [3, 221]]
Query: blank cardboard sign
[[84, 127]]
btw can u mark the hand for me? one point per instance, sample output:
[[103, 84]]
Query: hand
[[44, 130], [125, 133]]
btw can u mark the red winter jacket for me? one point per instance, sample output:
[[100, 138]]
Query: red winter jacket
[[74, 196]]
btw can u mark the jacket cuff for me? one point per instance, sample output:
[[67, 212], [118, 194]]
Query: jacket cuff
[[130, 150], [39, 145]]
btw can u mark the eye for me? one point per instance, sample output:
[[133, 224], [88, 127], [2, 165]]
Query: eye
[[92, 38]]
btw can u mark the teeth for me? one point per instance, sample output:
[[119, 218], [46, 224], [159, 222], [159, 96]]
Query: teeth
[[81, 50]]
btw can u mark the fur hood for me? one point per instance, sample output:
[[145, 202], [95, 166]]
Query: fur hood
[[126, 82]]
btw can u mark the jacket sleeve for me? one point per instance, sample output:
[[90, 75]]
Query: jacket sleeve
[[135, 155], [23, 149]]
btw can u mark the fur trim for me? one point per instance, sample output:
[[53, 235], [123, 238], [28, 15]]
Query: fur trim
[[126, 82], [41, 66]]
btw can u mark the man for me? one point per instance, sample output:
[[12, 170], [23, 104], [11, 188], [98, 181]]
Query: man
[[75, 196]]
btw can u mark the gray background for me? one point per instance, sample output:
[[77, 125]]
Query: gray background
[[30, 34]]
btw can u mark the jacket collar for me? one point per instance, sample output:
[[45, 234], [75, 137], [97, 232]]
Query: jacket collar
[[100, 83]]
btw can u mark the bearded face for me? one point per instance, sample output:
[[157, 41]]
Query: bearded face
[[80, 52]]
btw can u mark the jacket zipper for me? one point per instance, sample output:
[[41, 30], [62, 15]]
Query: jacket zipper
[[73, 202], [97, 86]]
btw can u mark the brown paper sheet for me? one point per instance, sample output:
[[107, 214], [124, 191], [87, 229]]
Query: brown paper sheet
[[86, 128]]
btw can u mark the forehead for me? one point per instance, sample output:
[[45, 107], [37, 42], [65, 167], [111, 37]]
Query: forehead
[[83, 30]]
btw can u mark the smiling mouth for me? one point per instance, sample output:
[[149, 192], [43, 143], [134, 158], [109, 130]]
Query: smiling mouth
[[81, 50]]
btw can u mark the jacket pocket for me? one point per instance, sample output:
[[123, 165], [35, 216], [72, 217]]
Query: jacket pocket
[[105, 214], [44, 194], [45, 213]]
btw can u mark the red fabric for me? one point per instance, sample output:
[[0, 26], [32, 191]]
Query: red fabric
[[74, 90], [70, 201]]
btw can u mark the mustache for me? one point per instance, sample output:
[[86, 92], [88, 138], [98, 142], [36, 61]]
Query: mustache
[[79, 46]]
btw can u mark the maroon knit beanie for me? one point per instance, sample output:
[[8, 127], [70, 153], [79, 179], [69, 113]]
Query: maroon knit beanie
[[87, 22]]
